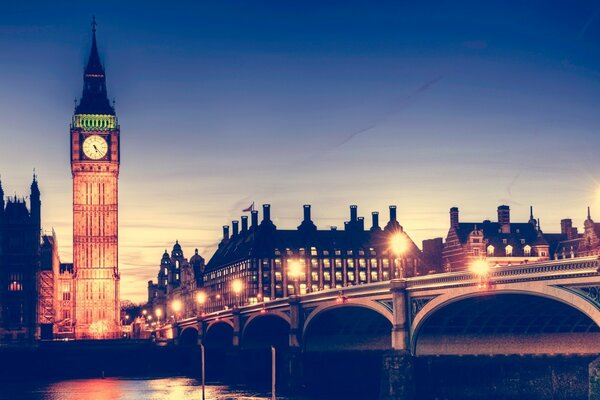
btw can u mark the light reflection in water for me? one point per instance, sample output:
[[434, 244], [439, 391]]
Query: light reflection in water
[[124, 389]]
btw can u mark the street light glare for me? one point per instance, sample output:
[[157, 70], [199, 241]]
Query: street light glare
[[201, 297], [237, 286], [398, 244], [294, 268], [480, 267], [158, 312], [176, 305]]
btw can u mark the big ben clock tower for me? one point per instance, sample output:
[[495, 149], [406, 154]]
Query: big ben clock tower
[[95, 158]]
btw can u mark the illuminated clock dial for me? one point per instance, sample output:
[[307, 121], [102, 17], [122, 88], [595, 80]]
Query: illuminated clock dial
[[95, 147]]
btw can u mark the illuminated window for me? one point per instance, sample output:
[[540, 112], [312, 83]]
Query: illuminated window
[[350, 275], [362, 276], [490, 250], [338, 252], [326, 276], [313, 251], [338, 263], [278, 276], [374, 276], [314, 276], [314, 263], [16, 283], [338, 276], [527, 250], [350, 263], [66, 291], [326, 263], [509, 250], [373, 263], [476, 252]]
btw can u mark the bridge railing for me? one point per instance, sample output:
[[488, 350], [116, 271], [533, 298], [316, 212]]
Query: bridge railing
[[542, 269]]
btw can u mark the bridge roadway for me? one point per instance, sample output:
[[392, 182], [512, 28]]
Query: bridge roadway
[[546, 308]]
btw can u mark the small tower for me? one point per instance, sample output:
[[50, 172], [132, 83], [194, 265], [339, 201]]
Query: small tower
[[35, 205]]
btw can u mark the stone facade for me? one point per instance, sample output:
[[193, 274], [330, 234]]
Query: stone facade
[[498, 243], [178, 281], [95, 159]]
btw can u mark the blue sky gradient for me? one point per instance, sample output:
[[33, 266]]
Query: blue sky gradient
[[332, 103]]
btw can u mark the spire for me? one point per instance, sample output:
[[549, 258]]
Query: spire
[[532, 220], [589, 216], [35, 190], [94, 99]]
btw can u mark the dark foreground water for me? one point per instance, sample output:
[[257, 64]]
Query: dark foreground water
[[125, 389]]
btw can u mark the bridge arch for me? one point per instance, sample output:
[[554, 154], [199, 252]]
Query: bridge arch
[[511, 314], [188, 336], [263, 330], [368, 304], [366, 319], [218, 334]]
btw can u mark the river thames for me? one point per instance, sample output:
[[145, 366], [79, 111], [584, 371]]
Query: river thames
[[127, 389]]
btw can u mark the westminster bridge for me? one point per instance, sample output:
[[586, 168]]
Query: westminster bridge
[[548, 310]]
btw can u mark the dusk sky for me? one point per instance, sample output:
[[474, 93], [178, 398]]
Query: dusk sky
[[223, 103]]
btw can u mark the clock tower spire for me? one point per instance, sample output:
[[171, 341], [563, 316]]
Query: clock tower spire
[[95, 158]]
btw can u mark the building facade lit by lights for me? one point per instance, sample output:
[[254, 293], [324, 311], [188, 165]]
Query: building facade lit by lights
[[260, 255], [498, 243], [95, 159], [178, 281]]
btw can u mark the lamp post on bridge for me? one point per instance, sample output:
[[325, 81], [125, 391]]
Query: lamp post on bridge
[[294, 272], [237, 286], [399, 246], [201, 300]]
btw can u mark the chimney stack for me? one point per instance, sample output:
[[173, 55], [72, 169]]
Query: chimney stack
[[266, 212], [504, 218], [392, 213], [353, 213], [244, 223], [566, 228], [254, 216], [225, 232], [361, 223], [375, 217], [307, 213], [454, 217], [235, 228]]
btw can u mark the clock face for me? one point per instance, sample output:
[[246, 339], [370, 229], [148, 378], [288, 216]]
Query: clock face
[[95, 147]]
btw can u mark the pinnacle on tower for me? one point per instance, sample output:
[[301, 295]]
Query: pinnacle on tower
[[94, 99]]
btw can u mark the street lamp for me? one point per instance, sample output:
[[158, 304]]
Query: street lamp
[[201, 299], [294, 272], [158, 313], [481, 268], [176, 306], [399, 246], [237, 286]]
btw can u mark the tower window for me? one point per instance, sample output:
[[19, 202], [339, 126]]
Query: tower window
[[509, 250], [490, 250]]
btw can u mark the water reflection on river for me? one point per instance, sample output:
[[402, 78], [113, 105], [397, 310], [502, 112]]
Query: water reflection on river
[[124, 389]]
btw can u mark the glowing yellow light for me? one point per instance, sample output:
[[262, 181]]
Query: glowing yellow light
[[144, 312], [201, 297], [480, 267], [294, 269], [158, 312], [99, 328], [237, 286], [398, 244], [176, 305]]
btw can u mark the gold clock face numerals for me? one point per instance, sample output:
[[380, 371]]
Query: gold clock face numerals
[[95, 147]]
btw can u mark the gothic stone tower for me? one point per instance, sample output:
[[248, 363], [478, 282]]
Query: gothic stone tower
[[95, 160]]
